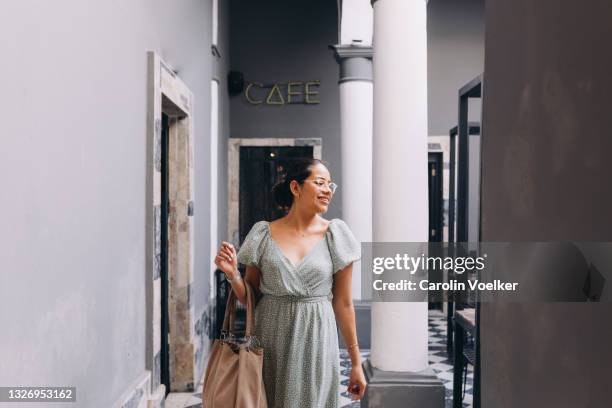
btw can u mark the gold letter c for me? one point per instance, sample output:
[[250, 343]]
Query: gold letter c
[[248, 96]]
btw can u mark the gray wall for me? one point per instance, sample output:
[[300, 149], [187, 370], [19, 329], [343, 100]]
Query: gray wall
[[204, 306], [73, 165], [455, 55], [221, 70], [220, 67], [281, 40], [546, 160]]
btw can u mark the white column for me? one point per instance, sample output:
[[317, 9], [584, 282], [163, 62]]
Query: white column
[[356, 125], [400, 199], [356, 99]]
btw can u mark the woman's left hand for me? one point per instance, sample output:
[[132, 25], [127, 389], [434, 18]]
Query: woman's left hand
[[357, 383]]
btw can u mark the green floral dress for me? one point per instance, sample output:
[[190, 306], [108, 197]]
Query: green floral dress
[[294, 320]]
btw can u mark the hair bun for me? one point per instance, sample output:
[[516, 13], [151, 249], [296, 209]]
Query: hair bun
[[282, 193]]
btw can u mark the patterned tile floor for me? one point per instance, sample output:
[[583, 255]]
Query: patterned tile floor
[[438, 360], [441, 363]]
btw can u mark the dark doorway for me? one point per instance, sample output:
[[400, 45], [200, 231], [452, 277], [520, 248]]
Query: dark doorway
[[435, 197], [164, 352], [260, 169], [434, 169]]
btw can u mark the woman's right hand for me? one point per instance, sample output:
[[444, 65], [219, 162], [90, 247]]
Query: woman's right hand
[[226, 260]]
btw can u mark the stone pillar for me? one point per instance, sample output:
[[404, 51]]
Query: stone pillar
[[398, 372], [356, 143]]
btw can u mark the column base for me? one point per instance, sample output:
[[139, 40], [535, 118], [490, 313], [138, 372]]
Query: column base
[[158, 398], [388, 389], [139, 395]]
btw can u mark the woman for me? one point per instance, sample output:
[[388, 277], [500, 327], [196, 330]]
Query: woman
[[301, 265]]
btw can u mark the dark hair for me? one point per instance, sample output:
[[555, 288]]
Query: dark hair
[[298, 170]]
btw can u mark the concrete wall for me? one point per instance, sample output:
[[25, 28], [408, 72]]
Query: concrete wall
[[546, 158], [455, 55], [277, 41], [73, 165]]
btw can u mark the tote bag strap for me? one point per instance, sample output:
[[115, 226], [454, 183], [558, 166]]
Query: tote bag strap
[[229, 317]]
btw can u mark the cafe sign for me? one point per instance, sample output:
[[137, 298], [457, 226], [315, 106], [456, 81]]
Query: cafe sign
[[290, 93]]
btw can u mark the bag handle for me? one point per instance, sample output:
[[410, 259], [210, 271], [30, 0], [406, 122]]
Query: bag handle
[[230, 310], [228, 319]]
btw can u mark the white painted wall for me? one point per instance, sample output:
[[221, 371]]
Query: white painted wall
[[214, 179], [73, 166], [215, 22], [357, 22]]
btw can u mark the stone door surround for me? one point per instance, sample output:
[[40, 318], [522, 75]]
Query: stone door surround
[[234, 171]]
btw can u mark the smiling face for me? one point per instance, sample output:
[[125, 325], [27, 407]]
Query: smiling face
[[314, 194]]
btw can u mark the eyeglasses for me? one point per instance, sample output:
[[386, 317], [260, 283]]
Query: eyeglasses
[[320, 183]]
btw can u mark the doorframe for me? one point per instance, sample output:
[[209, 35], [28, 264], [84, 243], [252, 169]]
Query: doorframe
[[168, 94], [233, 160]]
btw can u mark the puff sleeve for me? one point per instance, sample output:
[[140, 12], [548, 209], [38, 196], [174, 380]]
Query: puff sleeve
[[343, 246], [251, 249]]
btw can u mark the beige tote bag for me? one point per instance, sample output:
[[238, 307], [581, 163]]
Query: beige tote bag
[[234, 373]]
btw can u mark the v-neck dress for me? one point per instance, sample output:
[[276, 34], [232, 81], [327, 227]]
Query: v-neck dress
[[294, 319]]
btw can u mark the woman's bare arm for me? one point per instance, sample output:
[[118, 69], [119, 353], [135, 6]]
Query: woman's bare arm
[[344, 310], [252, 276], [227, 261], [345, 316]]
